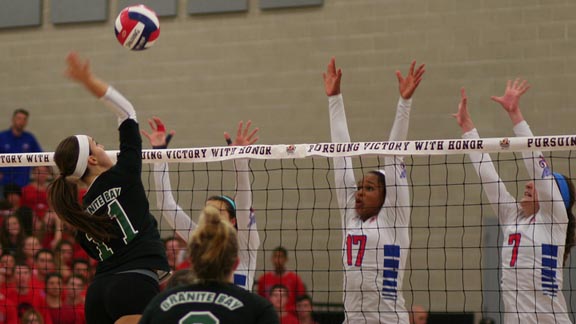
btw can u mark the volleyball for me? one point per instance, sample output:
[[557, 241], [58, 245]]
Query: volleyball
[[137, 27]]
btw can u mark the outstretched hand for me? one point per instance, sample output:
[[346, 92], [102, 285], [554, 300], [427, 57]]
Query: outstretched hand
[[332, 78], [77, 69], [158, 137], [462, 116], [511, 98], [243, 136], [408, 85]]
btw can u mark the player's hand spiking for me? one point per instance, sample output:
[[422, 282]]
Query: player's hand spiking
[[462, 116], [76, 69], [243, 136], [332, 78], [408, 85], [158, 138]]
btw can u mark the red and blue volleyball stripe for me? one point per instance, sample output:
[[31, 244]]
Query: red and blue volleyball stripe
[[137, 27]]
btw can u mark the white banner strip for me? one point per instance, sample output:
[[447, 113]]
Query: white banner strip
[[299, 151]]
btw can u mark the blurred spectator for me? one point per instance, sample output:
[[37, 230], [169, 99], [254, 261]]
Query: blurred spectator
[[60, 312], [31, 247], [304, 310], [7, 265], [76, 291], [281, 276], [43, 265], [12, 237], [418, 315], [13, 194], [279, 298], [25, 294], [17, 140], [175, 252], [63, 255], [35, 195], [8, 310], [32, 316], [82, 268], [487, 320]]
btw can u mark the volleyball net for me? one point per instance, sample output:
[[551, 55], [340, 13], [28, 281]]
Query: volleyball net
[[454, 258]]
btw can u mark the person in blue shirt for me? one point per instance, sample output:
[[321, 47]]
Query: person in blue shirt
[[17, 140]]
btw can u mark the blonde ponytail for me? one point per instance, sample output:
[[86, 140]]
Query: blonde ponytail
[[213, 247]]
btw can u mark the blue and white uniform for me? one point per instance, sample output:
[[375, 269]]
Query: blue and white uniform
[[248, 238], [375, 250], [533, 246]]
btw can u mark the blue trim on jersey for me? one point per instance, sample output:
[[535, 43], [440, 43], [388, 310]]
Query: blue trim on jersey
[[240, 280], [391, 251], [390, 273], [549, 266]]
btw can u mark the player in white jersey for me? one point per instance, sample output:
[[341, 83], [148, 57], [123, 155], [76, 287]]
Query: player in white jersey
[[535, 230], [375, 214], [238, 210]]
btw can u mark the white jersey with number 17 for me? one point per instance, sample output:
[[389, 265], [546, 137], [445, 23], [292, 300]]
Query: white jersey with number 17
[[375, 250]]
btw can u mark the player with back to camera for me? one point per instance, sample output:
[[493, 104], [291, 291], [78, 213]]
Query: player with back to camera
[[212, 298], [237, 211], [114, 224], [375, 214], [538, 231]]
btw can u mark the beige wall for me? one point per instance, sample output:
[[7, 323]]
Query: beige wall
[[205, 73]]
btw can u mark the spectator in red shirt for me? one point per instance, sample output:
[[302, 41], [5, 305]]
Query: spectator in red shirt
[[304, 310], [7, 265], [35, 195], [281, 276], [278, 299], [175, 251], [12, 237], [60, 312], [82, 268], [43, 265], [25, 294], [31, 247], [32, 316]]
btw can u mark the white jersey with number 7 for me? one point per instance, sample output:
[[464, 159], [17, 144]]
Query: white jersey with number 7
[[533, 246]]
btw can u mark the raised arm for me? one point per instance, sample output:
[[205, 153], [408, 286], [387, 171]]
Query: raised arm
[[172, 213], [343, 171], [406, 86], [397, 192], [502, 202], [248, 238], [130, 157], [81, 72], [549, 197]]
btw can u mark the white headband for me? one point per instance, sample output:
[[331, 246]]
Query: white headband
[[83, 153]]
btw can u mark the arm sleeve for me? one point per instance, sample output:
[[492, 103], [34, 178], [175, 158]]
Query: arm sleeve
[[503, 204], [130, 157], [343, 171], [119, 105], [397, 192], [248, 238], [549, 197], [171, 212]]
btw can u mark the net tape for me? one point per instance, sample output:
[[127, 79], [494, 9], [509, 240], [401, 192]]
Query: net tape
[[292, 151]]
